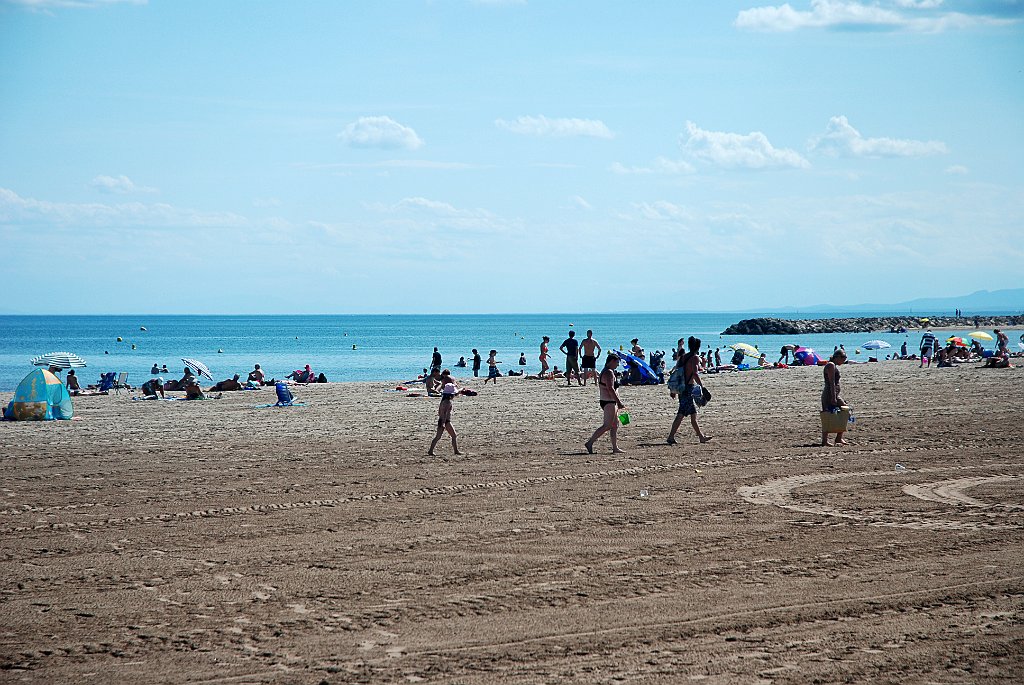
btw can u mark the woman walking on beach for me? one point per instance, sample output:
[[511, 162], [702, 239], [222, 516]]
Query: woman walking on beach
[[830, 397], [610, 402], [544, 355], [444, 419]]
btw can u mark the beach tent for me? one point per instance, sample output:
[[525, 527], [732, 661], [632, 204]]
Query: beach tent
[[806, 356], [647, 375], [40, 397]]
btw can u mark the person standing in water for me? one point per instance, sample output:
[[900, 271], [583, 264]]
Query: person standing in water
[[830, 397], [444, 419], [610, 402]]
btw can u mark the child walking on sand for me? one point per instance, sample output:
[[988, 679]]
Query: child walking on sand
[[492, 367], [444, 419]]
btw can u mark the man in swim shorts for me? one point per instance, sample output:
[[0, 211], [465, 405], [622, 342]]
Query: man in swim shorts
[[571, 347], [591, 351]]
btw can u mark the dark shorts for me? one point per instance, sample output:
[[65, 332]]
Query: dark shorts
[[589, 362], [686, 404], [492, 372], [572, 364]]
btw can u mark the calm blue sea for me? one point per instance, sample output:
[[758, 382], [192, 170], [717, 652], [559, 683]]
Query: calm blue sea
[[355, 348]]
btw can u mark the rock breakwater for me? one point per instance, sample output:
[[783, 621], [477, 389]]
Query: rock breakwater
[[770, 326]]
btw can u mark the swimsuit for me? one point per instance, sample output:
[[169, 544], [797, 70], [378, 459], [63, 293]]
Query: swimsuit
[[589, 362], [605, 403], [826, 394]]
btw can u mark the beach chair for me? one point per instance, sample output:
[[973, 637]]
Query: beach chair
[[107, 381], [121, 383]]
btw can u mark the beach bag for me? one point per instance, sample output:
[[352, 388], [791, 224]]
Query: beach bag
[[701, 395]]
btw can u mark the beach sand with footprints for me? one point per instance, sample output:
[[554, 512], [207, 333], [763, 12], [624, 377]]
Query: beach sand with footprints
[[218, 543]]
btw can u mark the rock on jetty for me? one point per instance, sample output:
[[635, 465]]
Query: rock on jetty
[[769, 326]]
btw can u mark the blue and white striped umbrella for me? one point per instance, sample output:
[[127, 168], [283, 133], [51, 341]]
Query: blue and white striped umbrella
[[198, 367], [63, 360]]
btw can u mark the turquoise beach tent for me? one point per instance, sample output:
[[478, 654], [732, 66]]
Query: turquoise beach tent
[[40, 397]]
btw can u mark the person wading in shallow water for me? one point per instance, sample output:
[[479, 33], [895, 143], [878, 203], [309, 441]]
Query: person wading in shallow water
[[609, 401]]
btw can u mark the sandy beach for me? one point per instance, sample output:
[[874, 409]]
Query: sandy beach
[[212, 542]]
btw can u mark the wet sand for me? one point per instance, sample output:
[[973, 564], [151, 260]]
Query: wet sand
[[189, 542]]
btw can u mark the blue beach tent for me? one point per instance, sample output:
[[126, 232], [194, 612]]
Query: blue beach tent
[[40, 397], [646, 373]]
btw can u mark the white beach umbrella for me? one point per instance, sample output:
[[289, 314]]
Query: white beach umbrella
[[63, 360], [876, 345], [198, 367]]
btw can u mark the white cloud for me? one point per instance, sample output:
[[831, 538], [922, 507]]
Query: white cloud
[[736, 150], [842, 139], [885, 15], [119, 184], [542, 126], [380, 132], [660, 166], [15, 209], [578, 202], [957, 169], [664, 211]]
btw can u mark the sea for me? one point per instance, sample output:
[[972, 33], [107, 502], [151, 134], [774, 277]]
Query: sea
[[384, 347]]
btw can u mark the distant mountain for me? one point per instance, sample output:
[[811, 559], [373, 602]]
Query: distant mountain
[[1001, 301]]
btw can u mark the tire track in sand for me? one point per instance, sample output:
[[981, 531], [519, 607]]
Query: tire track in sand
[[779, 493]]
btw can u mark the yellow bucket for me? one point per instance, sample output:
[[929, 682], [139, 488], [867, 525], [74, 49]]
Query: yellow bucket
[[835, 422]]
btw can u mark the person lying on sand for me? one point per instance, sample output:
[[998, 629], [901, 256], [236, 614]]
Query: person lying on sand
[[229, 384]]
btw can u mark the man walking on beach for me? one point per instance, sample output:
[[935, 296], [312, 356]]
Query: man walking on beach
[[476, 362], [1002, 341], [591, 351], [571, 348], [690, 390], [927, 343]]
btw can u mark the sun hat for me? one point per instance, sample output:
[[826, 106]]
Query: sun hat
[[449, 389]]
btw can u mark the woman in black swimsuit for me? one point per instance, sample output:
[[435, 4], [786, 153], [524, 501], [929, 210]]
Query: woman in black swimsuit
[[609, 403], [830, 397]]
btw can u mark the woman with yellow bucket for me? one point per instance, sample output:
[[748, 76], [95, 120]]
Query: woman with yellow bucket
[[834, 412]]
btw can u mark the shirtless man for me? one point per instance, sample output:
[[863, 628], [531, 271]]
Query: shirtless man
[[1002, 341], [590, 350]]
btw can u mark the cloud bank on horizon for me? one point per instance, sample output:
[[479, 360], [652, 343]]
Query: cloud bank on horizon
[[483, 155]]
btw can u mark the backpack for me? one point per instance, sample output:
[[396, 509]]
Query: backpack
[[677, 380]]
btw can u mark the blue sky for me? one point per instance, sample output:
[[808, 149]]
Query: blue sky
[[461, 156]]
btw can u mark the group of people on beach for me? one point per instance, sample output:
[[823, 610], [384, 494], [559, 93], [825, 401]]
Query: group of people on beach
[[156, 387], [684, 382]]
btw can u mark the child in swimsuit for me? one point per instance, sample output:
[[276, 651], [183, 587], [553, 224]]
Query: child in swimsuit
[[444, 419], [492, 367]]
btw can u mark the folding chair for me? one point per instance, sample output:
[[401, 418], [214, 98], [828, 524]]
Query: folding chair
[[121, 383]]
